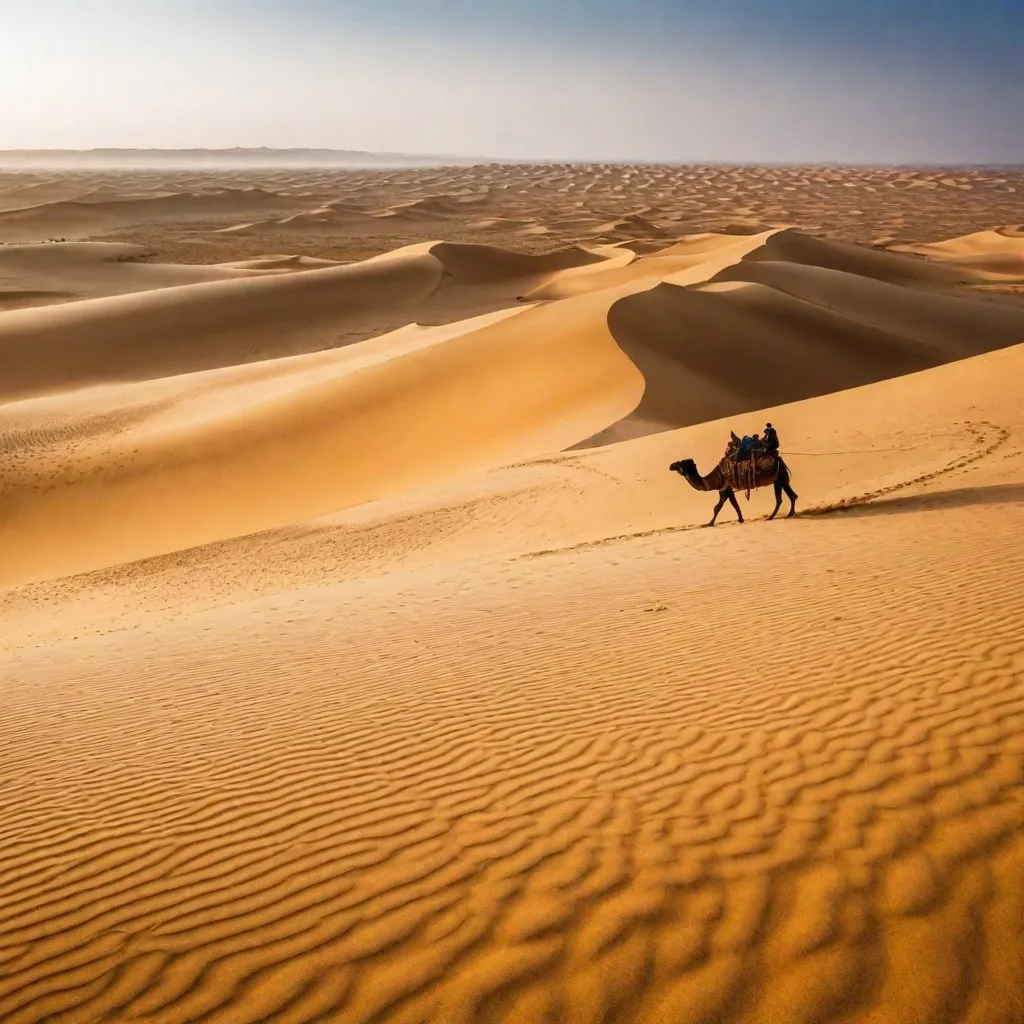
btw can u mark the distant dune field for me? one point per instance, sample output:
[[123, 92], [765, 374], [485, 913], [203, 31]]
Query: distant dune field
[[363, 661]]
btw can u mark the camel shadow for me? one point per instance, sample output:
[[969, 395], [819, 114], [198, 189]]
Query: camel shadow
[[960, 497]]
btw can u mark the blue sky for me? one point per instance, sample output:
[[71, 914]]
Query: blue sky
[[882, 81]]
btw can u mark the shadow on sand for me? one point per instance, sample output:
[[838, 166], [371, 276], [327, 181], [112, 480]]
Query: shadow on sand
[[961, 497]]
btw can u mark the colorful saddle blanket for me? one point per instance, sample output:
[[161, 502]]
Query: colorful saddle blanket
[[750, 471]]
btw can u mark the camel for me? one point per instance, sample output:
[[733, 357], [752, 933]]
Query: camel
[[728, 477]]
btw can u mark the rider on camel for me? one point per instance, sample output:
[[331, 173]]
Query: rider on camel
[[737, 444], [744, 447], [753, 444]]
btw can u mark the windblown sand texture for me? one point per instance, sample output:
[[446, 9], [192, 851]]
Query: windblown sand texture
[[362, 660]]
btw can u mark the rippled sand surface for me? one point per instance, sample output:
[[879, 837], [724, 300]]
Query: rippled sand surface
[[362, 661]]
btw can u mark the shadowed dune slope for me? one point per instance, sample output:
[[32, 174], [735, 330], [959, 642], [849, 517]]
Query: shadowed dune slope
[[955, 322], [794, 246], [235, 313], [704, 243], [700, 258], [480, 263], [281, 263], [791, 245], [83, 270], [785, 332], [428, 208], [182, 329], [78, 217], [231, 314]]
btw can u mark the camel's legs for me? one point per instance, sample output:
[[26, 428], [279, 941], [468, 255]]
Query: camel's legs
[[723, 497], [731, 495], [718, 508], [792, 495], [780, 486]]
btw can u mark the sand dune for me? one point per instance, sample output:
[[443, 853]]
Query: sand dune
[[506, 224], [722, 348], [794, 246], [978, 243], [956, 323], [995, 253], [279, 441], [324, 220], [608, 346], [84, 217], [281, 263], [702, 244], [632, 226], [22, 192], [481, 263], [427, 209], [51, 219], [182, 329], [704, 258], [238, 312], [63, 271], [362, 660]]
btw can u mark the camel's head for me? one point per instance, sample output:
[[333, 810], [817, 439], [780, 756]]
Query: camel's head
[[683, 466]]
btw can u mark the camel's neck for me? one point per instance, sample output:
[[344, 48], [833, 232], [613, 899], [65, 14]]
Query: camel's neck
[[711, 482], [715, 480]]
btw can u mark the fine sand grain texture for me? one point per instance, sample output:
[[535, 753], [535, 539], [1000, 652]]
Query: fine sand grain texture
[[362, 661]]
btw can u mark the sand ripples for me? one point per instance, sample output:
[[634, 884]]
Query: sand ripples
[[792, 816]]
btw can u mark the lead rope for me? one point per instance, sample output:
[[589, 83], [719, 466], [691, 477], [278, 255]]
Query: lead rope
[[861, 451]]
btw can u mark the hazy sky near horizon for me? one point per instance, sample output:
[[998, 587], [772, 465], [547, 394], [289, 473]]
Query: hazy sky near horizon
[[887, 81]]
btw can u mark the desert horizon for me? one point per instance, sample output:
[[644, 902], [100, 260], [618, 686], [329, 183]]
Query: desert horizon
[[238, 158], [254, 157], [511, 513]]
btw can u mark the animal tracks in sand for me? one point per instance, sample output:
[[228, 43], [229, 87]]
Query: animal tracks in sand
[[987, 439]]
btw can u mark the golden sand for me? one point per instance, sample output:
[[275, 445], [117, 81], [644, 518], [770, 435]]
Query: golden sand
[[355, 670]]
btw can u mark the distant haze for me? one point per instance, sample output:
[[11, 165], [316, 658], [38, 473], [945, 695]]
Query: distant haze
[[40, 159], [817, 81]]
